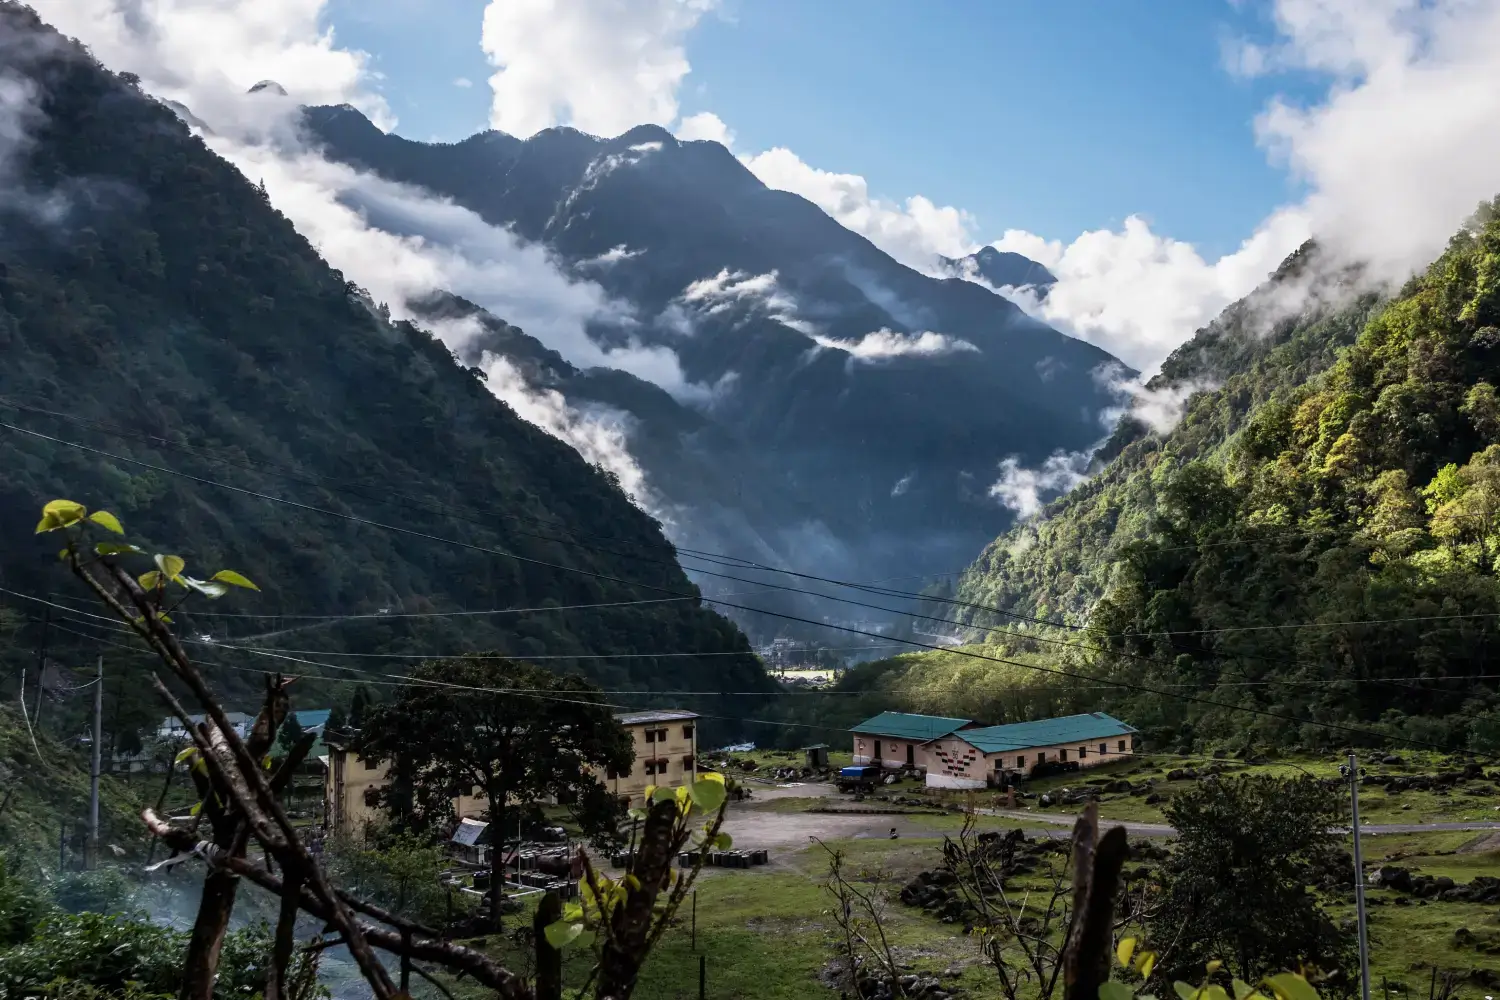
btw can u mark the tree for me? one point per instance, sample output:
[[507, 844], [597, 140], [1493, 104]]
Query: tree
[[1236, 888], [515, 732], [291, 732]]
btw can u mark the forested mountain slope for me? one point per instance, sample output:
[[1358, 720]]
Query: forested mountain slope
[[872, 403], [1308, 558], [1061, 563], [160, 310]]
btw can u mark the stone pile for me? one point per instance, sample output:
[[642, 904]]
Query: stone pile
[[1483, 888], [875, 984]]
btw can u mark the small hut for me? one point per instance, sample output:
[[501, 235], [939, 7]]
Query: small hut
[[470, 843], [816, 756]]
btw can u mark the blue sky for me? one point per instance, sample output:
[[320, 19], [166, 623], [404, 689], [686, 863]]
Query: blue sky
[[1053, 118]]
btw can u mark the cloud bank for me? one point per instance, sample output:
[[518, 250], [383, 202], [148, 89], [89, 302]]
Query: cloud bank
[[1025, 490], [885, 344]]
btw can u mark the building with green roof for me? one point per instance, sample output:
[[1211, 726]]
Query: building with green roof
[[961, 753]]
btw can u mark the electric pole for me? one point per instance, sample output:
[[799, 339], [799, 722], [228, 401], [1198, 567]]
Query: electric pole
[[1359, 880], [93, 858]]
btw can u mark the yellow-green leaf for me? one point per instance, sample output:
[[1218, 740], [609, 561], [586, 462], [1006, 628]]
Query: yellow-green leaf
[[663, 795], [184, 755], [711, 776], [560, 934], [171, 566], [197, 808], [1111, 990], [1185, 991], [149, 580], [62, 555], [1214, 966], [1124, 950], [1213, 991], [234, 579], [115, 548], [1242, 989], [105, 519], [708, 794], [1144, 963], [633, 882], [1290, 986], [723, 842], [65, 511]]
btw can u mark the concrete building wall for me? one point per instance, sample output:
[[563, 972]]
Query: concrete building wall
[[893, 751], [957, 764], [666, 754], [347, 787]]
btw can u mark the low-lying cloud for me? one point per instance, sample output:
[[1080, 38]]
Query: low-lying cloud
[[884, 344], [730, 292], [1026, 490]]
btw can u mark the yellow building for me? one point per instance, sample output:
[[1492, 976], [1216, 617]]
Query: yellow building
[[666, 753], [665, 745]]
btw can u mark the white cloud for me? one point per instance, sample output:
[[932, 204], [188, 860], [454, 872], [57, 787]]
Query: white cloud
[[730, 291], [1404, 144], [207, 53], [599, 434], [602, 66], [913, 232], [1138, 294], [613, 255], [463, 83], [885, 344], [705, 125], [1025, 490], [1159, 409]]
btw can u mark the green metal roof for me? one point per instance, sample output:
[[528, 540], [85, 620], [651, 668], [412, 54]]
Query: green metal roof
[[1045, 732], [909, 727]]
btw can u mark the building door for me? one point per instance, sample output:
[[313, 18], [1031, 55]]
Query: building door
[[877, 752], [911, 755]]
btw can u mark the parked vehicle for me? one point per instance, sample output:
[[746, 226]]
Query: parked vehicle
[[861, 778]]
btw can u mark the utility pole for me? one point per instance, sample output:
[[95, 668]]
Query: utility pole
[[1359, 880], [93, 858]]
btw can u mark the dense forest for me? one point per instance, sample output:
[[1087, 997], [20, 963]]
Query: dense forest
[[176, 352], [1315, 541]]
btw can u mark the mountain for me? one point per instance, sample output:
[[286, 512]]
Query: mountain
[[1002, 269], [1314, 539], [166, 331], [863, 405]]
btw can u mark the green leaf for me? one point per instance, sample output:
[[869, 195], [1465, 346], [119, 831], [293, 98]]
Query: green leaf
[[62, 555], [49, 522], [149, 580], [572, 912], [66, 512], [1213, 991], [663, 795], [723, 842], [197, 808], [234, 579], [1185, 991], [708, 795], [1290, 986], [1124, 950], [1242, 989], [115, 548], [105, 519], [1112, 990], [1144, 963], [711, 776], [184, 755], [171, 566], [560, 934]]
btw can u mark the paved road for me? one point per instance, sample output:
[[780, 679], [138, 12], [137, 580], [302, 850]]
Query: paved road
[[1163, 830]]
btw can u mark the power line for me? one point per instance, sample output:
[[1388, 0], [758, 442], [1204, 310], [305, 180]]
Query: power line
[[788, 617]]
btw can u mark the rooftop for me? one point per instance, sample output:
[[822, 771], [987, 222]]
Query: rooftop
[[910, 727], [660, 715], [1045, 732], [313, 718]]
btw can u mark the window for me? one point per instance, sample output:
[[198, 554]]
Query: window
[[1021, 760], [650, 767], [687, 762], [1122, 746], [661, 766], [650, 736], [661, 736], [612, 774], [687, 732], [1041, 756], [1062, 755], [1104, 748], [1083, 752], [369, 764]]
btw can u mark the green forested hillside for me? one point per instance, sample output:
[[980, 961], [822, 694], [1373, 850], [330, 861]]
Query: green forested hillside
[[155, 307], [1316, 540]]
